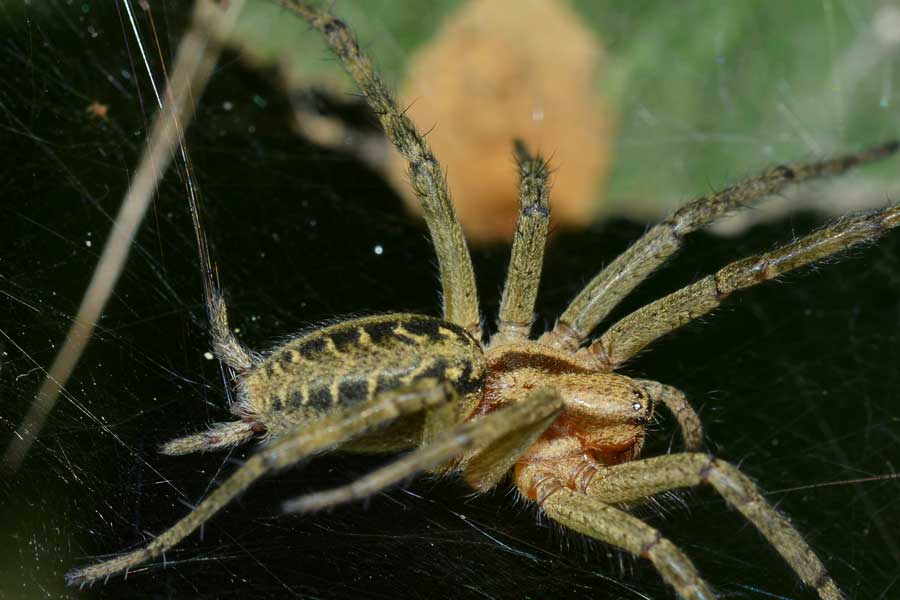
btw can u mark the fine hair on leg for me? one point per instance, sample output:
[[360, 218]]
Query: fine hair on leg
[[594, 518], [677, 403], [227, 347], [634, 332], [195, 61], [623, 274], [643, 478], [290, 448], [527, 256], [534, 413], [220, 436], [425, 173]]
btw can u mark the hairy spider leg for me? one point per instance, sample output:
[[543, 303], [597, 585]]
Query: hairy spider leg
[[495, 442], [524, 421], [229, 350], [195, 61], [635, 331], [677, 403], [286, 451], [599, 520], [425, 174], [227, 347], [645, 255], [219, 436], [527, 256], [637, 480]]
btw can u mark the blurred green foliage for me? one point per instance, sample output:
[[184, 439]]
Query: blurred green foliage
[[704, 92]]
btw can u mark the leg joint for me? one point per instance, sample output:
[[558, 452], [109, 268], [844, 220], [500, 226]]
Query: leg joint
[[708, 468], [822, 580], [599, 355], [564, 337], [721, 293], [785, 172], [333, 26], [647, 547]]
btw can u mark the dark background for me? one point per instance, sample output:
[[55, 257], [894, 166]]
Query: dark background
[[796, 381]]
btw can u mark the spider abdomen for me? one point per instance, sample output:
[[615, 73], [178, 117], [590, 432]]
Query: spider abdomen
[[354, 361]]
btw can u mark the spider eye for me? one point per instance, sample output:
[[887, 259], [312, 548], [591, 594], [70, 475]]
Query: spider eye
[[637, 404], [643, 402]]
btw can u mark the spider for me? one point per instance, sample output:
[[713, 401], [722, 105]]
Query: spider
[[552, 411]]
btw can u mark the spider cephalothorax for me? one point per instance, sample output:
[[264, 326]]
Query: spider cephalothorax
[[551, 410], [602, 420]]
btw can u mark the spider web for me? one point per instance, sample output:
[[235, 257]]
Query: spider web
[[796, 381]]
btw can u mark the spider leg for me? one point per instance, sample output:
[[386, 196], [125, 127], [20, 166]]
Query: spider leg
[[227, 347], [218, 437], [616, 527], [524, 274], [425, 174], [635, 331], [486, 467], [285, 451], [533, 414], [677, 403], [195, 61], [639, 479], [634, 265]]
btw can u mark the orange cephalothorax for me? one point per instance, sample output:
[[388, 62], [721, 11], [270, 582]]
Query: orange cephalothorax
[[602, 421]]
